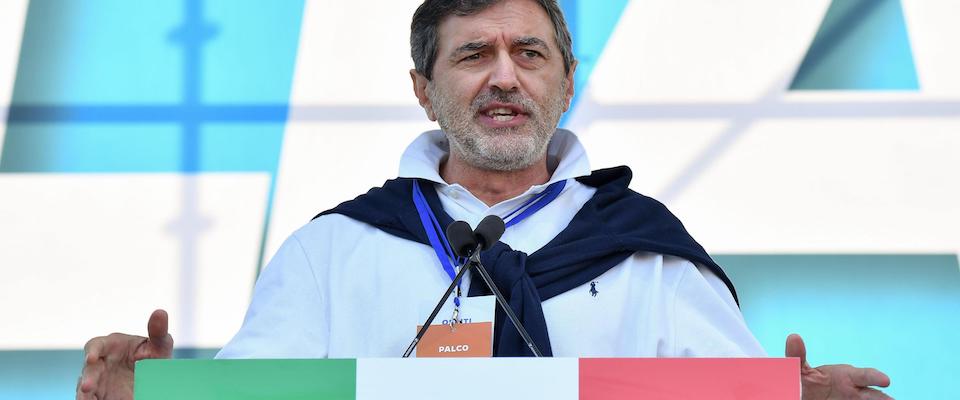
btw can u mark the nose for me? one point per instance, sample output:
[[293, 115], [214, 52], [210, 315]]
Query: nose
[[504, 74]]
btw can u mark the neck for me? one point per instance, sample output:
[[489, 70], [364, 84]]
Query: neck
[[490, 186]]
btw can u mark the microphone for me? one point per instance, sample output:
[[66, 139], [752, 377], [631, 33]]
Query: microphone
[[466, 242], [461, 238], [489, 231]]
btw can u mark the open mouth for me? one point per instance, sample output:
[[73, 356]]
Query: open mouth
[[503, 112]]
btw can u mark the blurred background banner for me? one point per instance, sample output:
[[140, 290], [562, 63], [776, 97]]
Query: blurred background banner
[[156, 153]]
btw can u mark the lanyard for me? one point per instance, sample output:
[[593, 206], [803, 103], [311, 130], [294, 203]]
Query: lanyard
[[435, 234], [438, 239]]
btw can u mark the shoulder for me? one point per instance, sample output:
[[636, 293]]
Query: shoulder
[[707, 279], [677, 277], [332, 228], [614, 196], [670, 271]]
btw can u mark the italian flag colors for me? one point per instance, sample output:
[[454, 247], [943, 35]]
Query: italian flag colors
[[471, 378]]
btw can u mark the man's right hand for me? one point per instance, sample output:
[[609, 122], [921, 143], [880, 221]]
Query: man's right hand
[[109, 360]]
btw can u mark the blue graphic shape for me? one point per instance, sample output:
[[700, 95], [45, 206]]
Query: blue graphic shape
[[99, 52], [113, 86], [591, 23], [897, 313], [119, 86], [861, 45]]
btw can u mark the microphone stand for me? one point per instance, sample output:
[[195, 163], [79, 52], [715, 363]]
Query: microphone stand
[[474, 262], [436, 310]]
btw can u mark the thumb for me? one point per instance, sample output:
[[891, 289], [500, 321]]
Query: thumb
[[160, 339], [796, 348]]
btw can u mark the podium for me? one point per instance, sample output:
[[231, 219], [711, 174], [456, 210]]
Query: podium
[[471, 378]]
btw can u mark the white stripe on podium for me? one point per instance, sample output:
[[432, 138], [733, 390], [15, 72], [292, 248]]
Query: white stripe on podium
[[461, 379]]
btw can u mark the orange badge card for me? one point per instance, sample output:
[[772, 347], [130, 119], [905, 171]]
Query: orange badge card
[[471, 339]]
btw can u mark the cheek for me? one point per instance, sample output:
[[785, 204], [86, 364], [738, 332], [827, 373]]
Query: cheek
[[465, 87], [461, 83], [546, 87]]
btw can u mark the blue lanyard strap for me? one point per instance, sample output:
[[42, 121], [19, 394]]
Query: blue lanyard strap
[[535, 203], [438, 240]]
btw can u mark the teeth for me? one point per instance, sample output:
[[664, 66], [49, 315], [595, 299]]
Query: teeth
[[502, 117], [499, 111]]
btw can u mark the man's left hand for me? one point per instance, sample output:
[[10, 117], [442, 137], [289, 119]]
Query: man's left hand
[[836, 382]]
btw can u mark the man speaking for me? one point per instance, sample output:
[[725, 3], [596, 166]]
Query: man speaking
[[590, 267]]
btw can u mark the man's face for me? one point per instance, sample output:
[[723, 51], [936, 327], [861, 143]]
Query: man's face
[[499, 86]]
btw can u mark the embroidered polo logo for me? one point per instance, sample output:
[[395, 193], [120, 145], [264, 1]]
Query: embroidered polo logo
[[593, 289]]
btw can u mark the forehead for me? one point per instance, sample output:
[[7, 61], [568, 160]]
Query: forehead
[[508, 19]]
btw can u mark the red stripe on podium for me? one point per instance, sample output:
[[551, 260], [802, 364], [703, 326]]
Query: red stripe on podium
[[690, 378]]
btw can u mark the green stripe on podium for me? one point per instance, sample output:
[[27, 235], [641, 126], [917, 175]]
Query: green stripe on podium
[[243, 379]]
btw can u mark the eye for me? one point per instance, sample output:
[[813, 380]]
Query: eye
[[472, 57], [531, 54]]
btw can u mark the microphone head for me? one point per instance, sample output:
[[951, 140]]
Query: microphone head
[[461, 238], [489, 231]]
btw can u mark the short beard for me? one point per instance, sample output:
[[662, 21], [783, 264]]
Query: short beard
[[500, 149]]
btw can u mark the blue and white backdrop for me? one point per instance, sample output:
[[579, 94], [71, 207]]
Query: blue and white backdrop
[[155, 153]]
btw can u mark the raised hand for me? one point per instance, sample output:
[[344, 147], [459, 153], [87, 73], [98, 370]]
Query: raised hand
[[836, 382], [108, 368]]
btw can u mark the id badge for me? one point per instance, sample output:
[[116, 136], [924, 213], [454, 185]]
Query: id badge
[[472, 336]]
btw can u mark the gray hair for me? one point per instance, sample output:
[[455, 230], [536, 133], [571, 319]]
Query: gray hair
[[423, 29]]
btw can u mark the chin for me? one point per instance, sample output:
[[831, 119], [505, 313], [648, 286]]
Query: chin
[[508, 155], [500, 149]]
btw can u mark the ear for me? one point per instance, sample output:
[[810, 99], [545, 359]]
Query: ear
[[420, 90], [568, 96]]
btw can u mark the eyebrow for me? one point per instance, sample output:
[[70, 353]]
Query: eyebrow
[[525, 41], [532, 41], [469, 47]]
